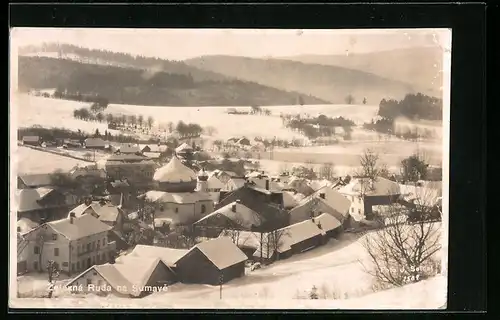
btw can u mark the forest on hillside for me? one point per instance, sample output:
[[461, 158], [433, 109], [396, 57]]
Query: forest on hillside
[[142, 87]]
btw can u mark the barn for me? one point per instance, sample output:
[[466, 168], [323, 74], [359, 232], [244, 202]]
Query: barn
[[31, 140], [212, 262]]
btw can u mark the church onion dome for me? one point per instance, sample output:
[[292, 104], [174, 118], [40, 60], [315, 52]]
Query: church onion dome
[[174, 172]]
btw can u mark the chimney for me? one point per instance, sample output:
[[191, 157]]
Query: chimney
[[322, 195], [71, 217], [267, 184], [233, 207]]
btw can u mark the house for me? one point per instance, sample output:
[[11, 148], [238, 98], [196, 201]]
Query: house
[[94, 143], [110, 214], [124, 279], [299, 185], [169, 256], [34, 180], [133, 167], [364, 193], [335, 200], [180, 208], [328, 224], [70, 143], [157, 148], [87, 171], [311, 207], [183, 148], [233, 184], [152, 155], [214, 184], [266, 183], [31, 140], [212, 262], [74, 244], [269, 205], [42, 204], [128, 149], [231, 216], [285, 242], [25, 225]]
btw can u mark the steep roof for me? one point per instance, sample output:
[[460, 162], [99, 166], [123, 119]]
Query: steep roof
[[168, 255], [236, 183], [28, 199], [289, 199], [183, 147], [24, 225], [112, 276], [242, 215], [179, 197], [247, 239], [81, 227], [36, 180], [222, 252], [297, 233], [214, 182], [327, 222], [333, 198], [174, 172], [379, 187]]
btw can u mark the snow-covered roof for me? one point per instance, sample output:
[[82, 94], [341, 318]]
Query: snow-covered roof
[[174, 172], [242, 215], [222, 252], [333, 198], [379, 187], [81, 227], [177, 197], [29, 199], [168, 255], [214, 182], [327, 222], [183, 147], [24, 225]]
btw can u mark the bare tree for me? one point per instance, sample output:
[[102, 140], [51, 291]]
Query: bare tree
[[140, 120], [53, 273], [274, 241], [402, 252], [369, 164], [150, 122], [327, 171]]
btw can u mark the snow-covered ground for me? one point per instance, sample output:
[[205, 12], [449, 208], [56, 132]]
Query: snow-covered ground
[[30, 161], [335, 269]]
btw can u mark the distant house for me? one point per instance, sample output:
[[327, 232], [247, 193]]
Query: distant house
[[153, 148], [267, 204], [42, 204], [243, 142], [231, 216], [128, 149], [133, 167], [152, 155], [212, 262], [312, 207], [68, 143], [33, 181], [299, 185], [110, 214], [214, 184], [124, 278], [234, 184], [74, 244], [94, 143], [266, 183], [183, 148], [365, 193], [31, 140]]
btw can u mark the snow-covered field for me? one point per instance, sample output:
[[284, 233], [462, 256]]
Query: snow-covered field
[[30, 161], [334, 269]]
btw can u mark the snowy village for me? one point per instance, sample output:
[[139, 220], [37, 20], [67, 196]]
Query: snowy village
[[126, 202]]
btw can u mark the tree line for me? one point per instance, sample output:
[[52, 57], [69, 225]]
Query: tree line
[[413, 106], [321, 126]]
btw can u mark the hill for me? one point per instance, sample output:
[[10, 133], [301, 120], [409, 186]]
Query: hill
[[420, 67], [155, 87], [331, 83]]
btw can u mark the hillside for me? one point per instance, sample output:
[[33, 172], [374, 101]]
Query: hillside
[[420, 67], [326, 82], [130, 85]]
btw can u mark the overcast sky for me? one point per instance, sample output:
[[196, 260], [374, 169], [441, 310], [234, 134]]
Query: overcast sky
[[178, 44]]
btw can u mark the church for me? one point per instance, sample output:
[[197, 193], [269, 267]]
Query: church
[[180, 195]]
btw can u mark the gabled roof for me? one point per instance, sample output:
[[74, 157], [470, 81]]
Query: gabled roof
[[327, 222], [261, 184], [214, 182], [81, 227], [168, 255], [24, 225], [154, 147], [297, 233], [107, 212], [242, 216], [315, 205], [179, 197], [112, 276], [183, 147], [36, 180], [235, 182], [29, 199], [247, 239], [222, 252], [379, 187], [333, 198], [128, 148], [95, 142]]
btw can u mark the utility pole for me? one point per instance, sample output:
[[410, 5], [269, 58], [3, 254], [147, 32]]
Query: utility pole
[[221, 280]]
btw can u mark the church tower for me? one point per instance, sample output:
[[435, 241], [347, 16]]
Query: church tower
[[202, 184]]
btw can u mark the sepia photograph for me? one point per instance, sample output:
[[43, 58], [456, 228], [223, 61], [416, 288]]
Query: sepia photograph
[[229, 168]]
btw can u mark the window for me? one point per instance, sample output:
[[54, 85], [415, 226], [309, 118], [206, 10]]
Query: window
[[36, 250], [161, 208], [18, 229], [93, 245], [35, 265], [176, 210], [359, 211], [104, 241], [56, 252], [65, 264], [54, 236], [203, 208], [89, 281], [98, 244], [88, 247], [99, 282], [72, 267]]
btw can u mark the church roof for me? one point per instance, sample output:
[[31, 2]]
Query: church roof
[[174, 172]]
